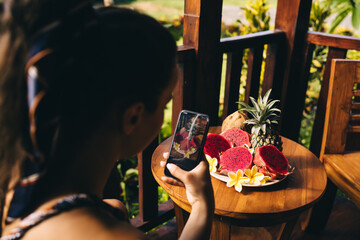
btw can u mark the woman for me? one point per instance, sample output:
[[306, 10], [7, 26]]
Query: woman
[[81, 89]]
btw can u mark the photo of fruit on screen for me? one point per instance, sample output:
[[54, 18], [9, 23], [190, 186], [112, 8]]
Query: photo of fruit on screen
[[188, 140]]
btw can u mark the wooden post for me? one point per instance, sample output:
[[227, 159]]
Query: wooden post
[[148, 192], [202, 26], [292, 17]]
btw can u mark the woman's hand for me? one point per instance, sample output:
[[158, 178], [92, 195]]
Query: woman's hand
[[197, 182], [200, 195]]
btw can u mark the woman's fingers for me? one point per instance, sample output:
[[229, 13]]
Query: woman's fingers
[[162, 163], [176, 171], [172, 181]]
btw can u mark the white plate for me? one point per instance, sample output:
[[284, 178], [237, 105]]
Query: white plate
[[226, 179]]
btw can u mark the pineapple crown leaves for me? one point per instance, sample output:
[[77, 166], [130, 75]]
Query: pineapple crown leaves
[[263, 113]]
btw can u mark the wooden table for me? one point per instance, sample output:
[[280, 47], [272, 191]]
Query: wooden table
[[255, 207]]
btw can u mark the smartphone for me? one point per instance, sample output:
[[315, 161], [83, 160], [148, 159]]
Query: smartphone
[[188, 140]]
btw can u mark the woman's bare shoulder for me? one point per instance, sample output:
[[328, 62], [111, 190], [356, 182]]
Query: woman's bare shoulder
[[84, 223]]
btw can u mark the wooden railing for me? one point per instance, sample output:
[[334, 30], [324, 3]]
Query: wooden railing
[[255, 42]]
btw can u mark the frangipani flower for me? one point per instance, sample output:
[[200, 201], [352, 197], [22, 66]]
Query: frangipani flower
[[254, 176], [265, 179], [177, 146], [237, 179], [187, 154], [212, 163]]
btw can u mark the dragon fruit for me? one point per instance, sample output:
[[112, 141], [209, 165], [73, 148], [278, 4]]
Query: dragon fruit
[[181, 136], [186, 144], [271, 161], [215, 145], [235, 158], [237, 137]]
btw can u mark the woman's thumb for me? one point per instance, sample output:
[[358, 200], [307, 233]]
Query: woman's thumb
[[176, 171]]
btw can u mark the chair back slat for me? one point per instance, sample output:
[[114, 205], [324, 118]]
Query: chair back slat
[[317, 134], [339, 104], [232, 82]]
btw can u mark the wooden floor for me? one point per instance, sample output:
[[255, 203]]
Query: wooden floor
[[344, 224]]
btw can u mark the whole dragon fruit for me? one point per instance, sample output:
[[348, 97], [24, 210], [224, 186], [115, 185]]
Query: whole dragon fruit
[[237, 137], [235, 158], [215, 145], [271, 161]]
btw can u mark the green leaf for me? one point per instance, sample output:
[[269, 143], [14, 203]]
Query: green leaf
[[251, 121], [266, 96], [255, 104], [355, 20], [338, 19], [244, 104]]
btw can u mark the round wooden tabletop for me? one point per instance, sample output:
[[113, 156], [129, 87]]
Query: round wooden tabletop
[[257, 206]]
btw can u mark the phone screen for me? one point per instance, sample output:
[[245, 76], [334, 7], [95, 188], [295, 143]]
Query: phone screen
[[189, 139]]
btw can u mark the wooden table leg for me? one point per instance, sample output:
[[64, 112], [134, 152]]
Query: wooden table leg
[[181, 218], [286, 229], [221, 229], [318, 216]]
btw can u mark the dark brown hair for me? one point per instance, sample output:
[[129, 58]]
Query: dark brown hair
[[124, 57]]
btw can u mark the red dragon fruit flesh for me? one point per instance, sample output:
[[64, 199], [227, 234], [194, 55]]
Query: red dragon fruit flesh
[[271, 160], [235, 158], [215, 145], [237, 137]]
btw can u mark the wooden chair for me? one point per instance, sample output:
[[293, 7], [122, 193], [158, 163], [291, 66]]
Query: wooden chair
[[342, 128]]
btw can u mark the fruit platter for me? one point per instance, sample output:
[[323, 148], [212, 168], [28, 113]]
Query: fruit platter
[[248, 151]]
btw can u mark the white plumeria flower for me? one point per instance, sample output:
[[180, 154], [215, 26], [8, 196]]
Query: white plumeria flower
[[254, 176], [237, 179], [212, 163], [265, 179], [177, 146]]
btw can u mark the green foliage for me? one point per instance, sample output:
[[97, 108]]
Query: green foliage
[[342, 8], [129, 185], [320, 11], [175, 26], [257, 19], [257, 16]]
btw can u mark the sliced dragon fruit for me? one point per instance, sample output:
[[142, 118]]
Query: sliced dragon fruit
[[215, 145], [237, 137], [235, 158], [271, 161], [180, 136], [186, 144]]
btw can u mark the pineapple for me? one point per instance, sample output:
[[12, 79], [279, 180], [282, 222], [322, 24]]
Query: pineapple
[[264, 121]]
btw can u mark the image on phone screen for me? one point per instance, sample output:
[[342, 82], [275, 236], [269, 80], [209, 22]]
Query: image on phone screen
[[188, 137]]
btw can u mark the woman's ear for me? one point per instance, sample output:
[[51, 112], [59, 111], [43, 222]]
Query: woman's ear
[[132, 117]]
